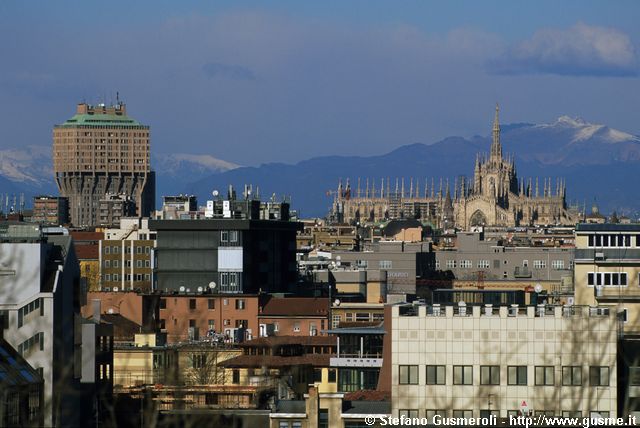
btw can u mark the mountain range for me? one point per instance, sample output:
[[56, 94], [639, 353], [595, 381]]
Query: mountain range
[[600, 164]]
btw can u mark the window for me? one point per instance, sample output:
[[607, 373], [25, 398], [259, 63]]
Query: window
[[634, 376], [451, 264], [483, 264], [224, 236], [163, 324], [433, 412], [463, 375], [489, 375], [323, 418], [486, 413], [107, 277], [539, 264], [362, 263], [408, 413], [385, 264], [211, 324], [240, 304], [557, 264], [436, 375], [571, 375], [163, 303], [466, 264], [544, 375], [607, 279], [211, 303], [571, 414], [192, 323], [517, 375], [599, 376], [233, 236], [107, 263], [335, 321], [408, 375], [192, 304], [467, 414]]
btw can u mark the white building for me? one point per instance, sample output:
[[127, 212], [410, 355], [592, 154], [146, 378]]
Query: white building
[[39, 298], [475, 361]]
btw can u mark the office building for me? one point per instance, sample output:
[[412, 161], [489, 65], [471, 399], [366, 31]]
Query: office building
[[476, 361], [101, 151], [50, 210]]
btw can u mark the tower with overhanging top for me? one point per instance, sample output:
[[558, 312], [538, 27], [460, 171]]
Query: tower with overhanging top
[[99, 152]]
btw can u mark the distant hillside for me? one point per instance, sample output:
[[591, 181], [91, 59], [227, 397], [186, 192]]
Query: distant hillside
[[599, 163]]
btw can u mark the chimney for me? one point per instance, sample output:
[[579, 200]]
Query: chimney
[[96, 310]]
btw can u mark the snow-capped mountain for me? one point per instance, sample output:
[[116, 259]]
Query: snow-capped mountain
[[596, 160], [31, 165], [572, 141]]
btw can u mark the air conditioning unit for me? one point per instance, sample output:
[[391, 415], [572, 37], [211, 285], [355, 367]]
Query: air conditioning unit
[[599, 256]]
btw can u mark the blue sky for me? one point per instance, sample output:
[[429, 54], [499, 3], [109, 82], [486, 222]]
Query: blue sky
[[254, 81]]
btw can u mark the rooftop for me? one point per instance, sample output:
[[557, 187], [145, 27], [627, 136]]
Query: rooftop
[[296, 306], [100, 120], [607, 227], [245, 361], [274, 341]]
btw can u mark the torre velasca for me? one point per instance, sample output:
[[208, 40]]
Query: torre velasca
[[101, 154]]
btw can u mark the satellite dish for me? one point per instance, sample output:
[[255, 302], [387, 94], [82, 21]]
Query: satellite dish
[[538, 288], [200, 289], [115, 289], [110, 311], [188, 290], [212, 285], [215, 193], [182, 289], [336, 302], [461, 304]]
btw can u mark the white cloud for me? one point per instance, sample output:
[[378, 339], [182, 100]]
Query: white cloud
[[582, 50]]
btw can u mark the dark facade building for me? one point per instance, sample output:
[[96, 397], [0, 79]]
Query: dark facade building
[[225, 255], [100, 151], [53, 210]]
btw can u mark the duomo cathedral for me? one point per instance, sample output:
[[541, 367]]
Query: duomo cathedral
[[495, 197]]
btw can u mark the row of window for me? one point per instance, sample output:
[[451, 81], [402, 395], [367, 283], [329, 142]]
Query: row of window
[[127, 250], [37, 304], [211, 324], [211, 303], [612, 240], [127, 277], [382, 264], [516, 375], [35, 342], [485, 264], [607, 279], [485, 413], [127, 263]]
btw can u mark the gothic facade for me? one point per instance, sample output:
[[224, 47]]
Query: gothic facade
[[495, 197]]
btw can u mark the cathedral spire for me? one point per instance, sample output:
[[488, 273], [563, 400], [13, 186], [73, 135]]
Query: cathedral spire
[[496, 148]]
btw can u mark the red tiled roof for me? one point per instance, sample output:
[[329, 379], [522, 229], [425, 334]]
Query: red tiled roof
[[87, 252], [296, 306], [123, 328], [86, 236], [273, 341], [247, 361]]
